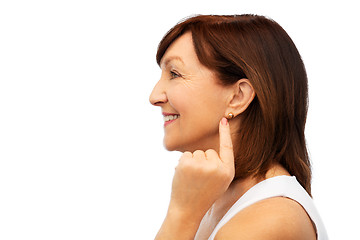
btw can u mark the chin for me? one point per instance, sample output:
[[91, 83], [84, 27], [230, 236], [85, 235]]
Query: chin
[[187, 146], [171, 147], [174, 146], [179, 148]]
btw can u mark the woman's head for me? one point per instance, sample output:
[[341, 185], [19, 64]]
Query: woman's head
[[249, 60], [193, 95]]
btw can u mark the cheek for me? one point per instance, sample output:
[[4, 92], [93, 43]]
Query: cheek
[[197, 105], [200, 112]]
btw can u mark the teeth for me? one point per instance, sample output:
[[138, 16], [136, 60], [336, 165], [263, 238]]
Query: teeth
[[170, 117]]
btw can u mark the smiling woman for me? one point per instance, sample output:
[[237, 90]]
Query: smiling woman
[[233, 92], [189, 90]]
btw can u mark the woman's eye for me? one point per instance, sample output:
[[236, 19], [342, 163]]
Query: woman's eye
[[174, 75]]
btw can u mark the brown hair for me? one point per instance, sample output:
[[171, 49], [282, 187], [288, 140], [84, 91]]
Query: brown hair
[[259, 49]]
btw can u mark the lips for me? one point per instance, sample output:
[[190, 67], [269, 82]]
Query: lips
[[170, 117]]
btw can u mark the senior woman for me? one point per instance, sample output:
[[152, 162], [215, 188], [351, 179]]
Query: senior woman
[[233, 92]]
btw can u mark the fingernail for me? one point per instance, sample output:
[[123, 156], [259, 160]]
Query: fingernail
[[224, 121]]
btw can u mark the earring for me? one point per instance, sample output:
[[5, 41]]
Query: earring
[[230, 116]]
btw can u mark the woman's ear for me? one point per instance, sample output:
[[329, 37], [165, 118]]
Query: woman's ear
[[243, 94]]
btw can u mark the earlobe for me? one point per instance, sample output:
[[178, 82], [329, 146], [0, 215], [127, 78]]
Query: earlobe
[[230, 116], [242, 96]]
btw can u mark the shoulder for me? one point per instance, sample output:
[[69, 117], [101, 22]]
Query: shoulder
[[273, 218]]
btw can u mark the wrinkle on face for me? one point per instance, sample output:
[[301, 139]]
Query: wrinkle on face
[[194, 93]]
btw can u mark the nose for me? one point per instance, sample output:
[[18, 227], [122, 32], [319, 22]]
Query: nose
[[158, 95]]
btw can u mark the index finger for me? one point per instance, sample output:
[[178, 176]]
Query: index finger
[[226, 151]]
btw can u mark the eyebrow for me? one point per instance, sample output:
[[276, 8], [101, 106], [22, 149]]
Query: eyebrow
[[170, 59]]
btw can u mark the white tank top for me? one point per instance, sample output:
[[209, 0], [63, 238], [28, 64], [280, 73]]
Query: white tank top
[[280, 186]]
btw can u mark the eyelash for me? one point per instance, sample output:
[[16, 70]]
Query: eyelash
[[174, 75]]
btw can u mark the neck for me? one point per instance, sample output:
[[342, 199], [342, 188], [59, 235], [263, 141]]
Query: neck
[[240, 186]]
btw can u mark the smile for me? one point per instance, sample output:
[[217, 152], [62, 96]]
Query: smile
[[170, 117]]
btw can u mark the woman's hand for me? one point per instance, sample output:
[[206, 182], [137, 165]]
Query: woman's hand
[[200, 179]]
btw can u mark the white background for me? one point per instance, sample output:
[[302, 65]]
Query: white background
[[81, 153]]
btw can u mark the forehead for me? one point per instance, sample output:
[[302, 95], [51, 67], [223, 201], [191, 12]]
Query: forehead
[[180, 51]]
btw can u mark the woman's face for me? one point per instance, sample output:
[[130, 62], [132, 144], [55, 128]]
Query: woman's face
[[192, 99]]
